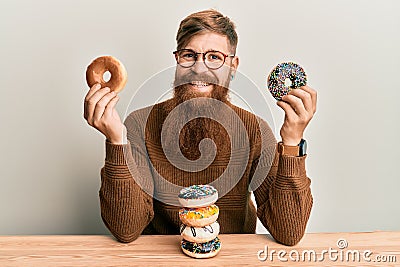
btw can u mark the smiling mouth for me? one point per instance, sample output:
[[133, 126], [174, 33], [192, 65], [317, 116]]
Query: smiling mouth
[[199, 84]]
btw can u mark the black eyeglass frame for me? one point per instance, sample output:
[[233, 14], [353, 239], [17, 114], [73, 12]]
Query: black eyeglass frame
[[196, 54]]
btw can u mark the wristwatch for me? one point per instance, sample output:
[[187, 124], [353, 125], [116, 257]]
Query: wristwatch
[[302, 147], [294, 151]]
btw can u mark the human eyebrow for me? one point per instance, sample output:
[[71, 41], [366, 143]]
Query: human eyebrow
[[214, 50], [208, 50]]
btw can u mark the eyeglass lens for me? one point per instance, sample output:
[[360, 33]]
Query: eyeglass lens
[[212, 59]]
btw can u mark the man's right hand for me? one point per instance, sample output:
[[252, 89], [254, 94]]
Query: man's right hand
[[100, 113]]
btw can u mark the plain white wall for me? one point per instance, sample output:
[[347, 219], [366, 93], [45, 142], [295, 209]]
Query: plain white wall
[[50, 158]]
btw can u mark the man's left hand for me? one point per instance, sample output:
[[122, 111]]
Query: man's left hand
[[299, 106]]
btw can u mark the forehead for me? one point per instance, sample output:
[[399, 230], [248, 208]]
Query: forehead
[[206, 41]]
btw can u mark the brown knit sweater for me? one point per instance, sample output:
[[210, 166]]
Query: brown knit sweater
[[283, 199]]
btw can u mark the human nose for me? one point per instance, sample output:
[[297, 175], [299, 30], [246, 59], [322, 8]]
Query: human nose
[[199, 66]]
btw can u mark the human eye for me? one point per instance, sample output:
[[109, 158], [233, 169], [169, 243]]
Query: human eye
[[187, 55], [215, 56]]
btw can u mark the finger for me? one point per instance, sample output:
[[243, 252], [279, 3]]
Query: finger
[[313, 94], [110, 106], [101, 106], [93, 90], [89, 94], [289, 111], [305, 98], [296, 104], [92, 102]]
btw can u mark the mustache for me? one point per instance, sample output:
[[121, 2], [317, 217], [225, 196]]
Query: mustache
[[190, 77]]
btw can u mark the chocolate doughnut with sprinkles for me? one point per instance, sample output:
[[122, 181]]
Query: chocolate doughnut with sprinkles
[[201, 250], [285, 77], [196, 196]]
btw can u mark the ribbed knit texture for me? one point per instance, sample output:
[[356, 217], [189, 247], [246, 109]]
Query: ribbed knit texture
[[283, 194]]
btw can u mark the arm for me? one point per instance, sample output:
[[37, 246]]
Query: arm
[[126, 202], [284, 199], [126, 208]]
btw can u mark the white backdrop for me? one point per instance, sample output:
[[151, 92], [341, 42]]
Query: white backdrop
[[50, 158]]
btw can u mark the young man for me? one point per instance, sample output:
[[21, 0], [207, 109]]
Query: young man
[[140, 178]]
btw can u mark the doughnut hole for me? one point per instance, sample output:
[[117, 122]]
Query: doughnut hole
[[106, 76], [288, 82]]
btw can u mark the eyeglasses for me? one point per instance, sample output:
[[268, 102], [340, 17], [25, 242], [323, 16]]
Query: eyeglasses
[[212, 59]]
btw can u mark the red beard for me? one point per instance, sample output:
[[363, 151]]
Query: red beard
[[198, 129]]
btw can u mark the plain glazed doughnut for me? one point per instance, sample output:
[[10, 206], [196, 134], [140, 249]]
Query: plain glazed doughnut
[[196, 196], [285, 77], [96, 70]]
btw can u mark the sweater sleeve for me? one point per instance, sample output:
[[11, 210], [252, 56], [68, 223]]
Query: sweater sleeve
[[126, 190], [284, 199]]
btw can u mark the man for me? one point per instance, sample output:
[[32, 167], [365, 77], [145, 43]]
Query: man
[[134, 194]]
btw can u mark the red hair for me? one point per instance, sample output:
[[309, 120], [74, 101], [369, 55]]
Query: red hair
[[207, 20]]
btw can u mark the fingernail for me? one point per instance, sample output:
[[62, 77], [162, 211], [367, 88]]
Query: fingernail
[[98, 86]]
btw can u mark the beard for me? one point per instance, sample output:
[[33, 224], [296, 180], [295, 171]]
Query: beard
[[201, 127], [183, 92]]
